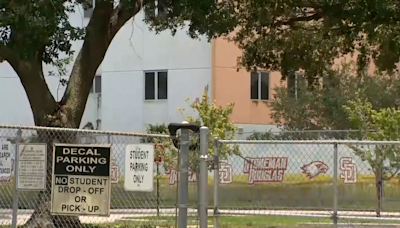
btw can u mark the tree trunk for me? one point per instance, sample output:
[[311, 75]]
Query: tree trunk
[[378, 186], [47, 112], [106, 20], [41, 216]]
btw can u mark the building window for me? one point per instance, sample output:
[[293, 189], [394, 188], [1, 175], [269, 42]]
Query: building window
[[296, 84], [88, 7], [161, 8], [259, 86], [156, 9], [96, 86], [156, 85]]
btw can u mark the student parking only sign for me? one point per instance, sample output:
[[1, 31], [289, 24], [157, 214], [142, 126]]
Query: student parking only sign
[[139, 173], [81, 180]]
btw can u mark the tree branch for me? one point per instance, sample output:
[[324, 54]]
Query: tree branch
[[6, 53], [30, 71], [290, 22], [104, 24], [31, 75], [122, 13], [309, 4]]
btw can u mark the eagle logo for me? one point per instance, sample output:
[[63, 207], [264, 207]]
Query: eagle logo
[[314, 168]]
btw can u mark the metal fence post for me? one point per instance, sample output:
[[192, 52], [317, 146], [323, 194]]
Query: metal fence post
[[158, 188], [183, 178], [108, 138], [216, 182], [382, 194], [203, 177], [15, 192], [335, 185]]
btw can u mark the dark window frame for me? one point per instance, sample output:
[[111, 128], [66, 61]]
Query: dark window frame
[[295, 84], [158, 9], [160, 79], [96, 85], [258, 93], [149, 84]]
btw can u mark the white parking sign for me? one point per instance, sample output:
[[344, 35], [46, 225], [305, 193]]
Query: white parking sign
[[5, 161], [139, 161]]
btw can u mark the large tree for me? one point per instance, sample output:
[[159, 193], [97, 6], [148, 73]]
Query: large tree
[[38, 32], [299, 108], [309, 34], [367, 103], [383, 159], [290, 35], [279, 35]]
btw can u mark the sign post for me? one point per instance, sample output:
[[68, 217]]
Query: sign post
[[31, 167], [5, 161], [81, 179], [161, 149], [139, 172]]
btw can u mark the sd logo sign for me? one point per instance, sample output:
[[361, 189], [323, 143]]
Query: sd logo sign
[[348, 170]]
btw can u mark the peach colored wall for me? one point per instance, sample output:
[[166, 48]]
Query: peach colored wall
[[230, 85], [352, 58]]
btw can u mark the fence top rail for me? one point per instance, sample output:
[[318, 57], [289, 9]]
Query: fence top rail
[[326, 142], [316, 131], [87, 131]]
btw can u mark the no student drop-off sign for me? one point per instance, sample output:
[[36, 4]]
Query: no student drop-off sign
[[81, 179]]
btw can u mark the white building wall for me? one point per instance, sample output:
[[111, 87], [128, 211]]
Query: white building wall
[[134, 50], [122, 107]]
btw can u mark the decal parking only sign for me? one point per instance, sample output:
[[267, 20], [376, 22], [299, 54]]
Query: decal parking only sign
[[81, 180]]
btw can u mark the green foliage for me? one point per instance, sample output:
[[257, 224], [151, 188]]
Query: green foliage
[[372, 112], [298, 34], [317, 109], [261, 136], [31, 26], [157, 129], [170, 153], [323, 107], [292, 35], [208, 17], [384, 159], [42, 30], [217, 119], [285, 35], [287, 135]]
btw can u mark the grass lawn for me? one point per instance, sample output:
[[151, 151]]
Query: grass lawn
[[296, 192], [230, 222]]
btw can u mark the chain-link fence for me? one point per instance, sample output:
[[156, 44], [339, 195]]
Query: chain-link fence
[[307, 182], [128, 208], [284, 181], [303, 135]]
